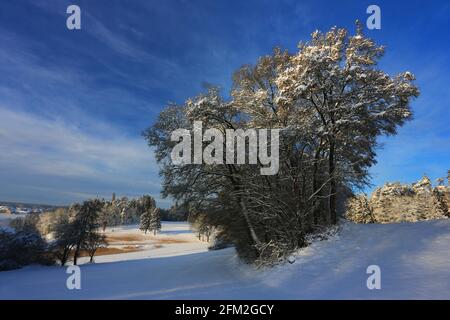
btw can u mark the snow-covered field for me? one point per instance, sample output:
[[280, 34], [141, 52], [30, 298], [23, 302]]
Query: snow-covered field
[[175, 239], [414, 259]]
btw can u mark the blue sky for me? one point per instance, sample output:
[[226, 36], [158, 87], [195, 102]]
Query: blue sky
[[73, 103]]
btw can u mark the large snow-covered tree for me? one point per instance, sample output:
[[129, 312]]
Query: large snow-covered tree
[[330, 102], [334, 79]]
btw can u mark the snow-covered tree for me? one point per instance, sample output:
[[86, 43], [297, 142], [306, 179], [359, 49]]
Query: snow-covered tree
[[334, 80], [93, 242], [65, 237], [155, 221], [104, 216], [146, 221], [359, 209], [330, 102], [85, 224], [199, 222], [149, 219]]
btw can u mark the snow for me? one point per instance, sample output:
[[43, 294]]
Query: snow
[[153, 246], [413, 257]]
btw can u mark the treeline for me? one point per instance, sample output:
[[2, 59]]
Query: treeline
[[329, 101], [71, 231], [65, 234], [396, 202]]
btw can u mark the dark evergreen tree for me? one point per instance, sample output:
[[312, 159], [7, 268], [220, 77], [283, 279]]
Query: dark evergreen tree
[[146, 220], [155, 221]]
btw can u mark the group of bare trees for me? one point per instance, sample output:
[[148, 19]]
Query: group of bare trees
[[330, 102], [75, 231], [199, 222], [79, 231]]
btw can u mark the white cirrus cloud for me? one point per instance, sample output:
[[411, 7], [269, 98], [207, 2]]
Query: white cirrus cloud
[[54, 150]]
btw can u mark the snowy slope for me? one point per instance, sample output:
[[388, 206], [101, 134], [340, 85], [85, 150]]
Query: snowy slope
[[414, 260]]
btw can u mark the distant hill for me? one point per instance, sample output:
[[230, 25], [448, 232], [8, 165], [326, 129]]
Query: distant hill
[[29, 205]]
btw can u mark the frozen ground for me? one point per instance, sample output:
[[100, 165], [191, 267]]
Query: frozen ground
[[414, 259]]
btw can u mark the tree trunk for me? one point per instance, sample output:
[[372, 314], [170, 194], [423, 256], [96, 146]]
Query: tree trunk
[[65, 256], [75, 255], [92, 256], [315, 187], [331, 173], [249, 224]]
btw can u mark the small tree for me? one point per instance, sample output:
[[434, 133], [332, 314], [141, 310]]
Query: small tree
[[93, 242], [199, 222], [64, 238], [105, 216], [85, 224], [146, 219], [147, 206], [155, 221]]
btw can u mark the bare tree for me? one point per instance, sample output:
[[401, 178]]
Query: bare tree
[[85, 224], [93, 242]]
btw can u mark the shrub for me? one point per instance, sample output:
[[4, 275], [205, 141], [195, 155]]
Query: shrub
[[20, 248]]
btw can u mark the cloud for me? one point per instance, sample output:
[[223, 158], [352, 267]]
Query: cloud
[[35, 146], [58, 143], [121, 45]]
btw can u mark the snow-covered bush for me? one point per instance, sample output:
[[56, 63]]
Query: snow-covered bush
[[273, 252], [219, 243], [323, 233]]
